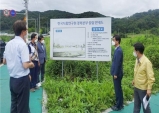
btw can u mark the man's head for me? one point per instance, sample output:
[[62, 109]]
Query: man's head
[[116, 40], [34, 37], [138, 49], [19, 28], [41, 38]]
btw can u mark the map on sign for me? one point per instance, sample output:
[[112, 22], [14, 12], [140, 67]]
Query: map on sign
[[64, 46], [6, 12]]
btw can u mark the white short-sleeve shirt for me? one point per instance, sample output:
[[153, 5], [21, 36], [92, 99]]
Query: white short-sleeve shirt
[[16, 53]]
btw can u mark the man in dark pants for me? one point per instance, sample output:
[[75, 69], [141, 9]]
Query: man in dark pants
[[117, 72], [42, 55], [143, 78], [35, 59], [16, 56]]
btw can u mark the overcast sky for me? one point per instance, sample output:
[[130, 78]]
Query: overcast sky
[[114, 8]]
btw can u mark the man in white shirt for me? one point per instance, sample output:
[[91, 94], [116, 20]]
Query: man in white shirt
[[16, 56]]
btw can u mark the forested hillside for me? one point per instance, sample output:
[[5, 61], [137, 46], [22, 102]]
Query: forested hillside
[[136, 23]]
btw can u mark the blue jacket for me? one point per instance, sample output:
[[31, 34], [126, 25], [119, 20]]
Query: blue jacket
[[41, 52], [117, 63]]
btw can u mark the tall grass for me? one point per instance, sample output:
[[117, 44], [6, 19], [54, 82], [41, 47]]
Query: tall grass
[[79, 91]]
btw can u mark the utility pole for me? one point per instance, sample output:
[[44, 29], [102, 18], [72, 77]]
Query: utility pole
[[47, 28], [35, 23], [26, 14], [37, 26], [39, 23]]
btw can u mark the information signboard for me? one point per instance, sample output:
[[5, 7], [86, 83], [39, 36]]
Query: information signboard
[[81, 39]]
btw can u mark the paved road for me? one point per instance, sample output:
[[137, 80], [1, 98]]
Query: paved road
[[35, 97]]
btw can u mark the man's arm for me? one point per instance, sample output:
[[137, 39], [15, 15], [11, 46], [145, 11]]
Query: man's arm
[[45, 52], [150, 76], [118, 63], [4, 58], [4, 61], [27, 65], [38, 48], [25, 57], [133, 81]]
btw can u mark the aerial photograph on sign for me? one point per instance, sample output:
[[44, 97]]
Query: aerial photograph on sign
[[69, 42]]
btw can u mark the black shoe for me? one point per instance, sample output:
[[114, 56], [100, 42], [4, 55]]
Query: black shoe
[[114, 108], [122, 107]]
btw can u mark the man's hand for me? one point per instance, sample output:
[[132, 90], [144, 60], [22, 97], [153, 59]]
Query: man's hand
[[39, 64], [30, 77], [149, 92], [115, 77], [27, 65], [133, 82], [31, 64]]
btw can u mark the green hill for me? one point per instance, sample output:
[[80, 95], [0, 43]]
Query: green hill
[[136, 23]]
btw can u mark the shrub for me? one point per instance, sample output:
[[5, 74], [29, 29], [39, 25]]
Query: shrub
[[82, 69], [152, 52], [6, 38], [80, 94]]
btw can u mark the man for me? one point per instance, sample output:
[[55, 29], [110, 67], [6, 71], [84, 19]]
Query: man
[[143, 78], [42, 56], [117, 73], [35, 59], [16, 57]]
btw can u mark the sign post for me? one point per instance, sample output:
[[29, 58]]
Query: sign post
[[97, 69], [62, 68]]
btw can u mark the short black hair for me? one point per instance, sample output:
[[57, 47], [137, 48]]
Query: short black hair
[[33, 36], [139, 47], [40, 37], [117, 38], [18, 27]]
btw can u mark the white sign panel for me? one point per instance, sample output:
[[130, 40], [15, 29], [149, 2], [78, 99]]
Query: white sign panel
[[81, 39]]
